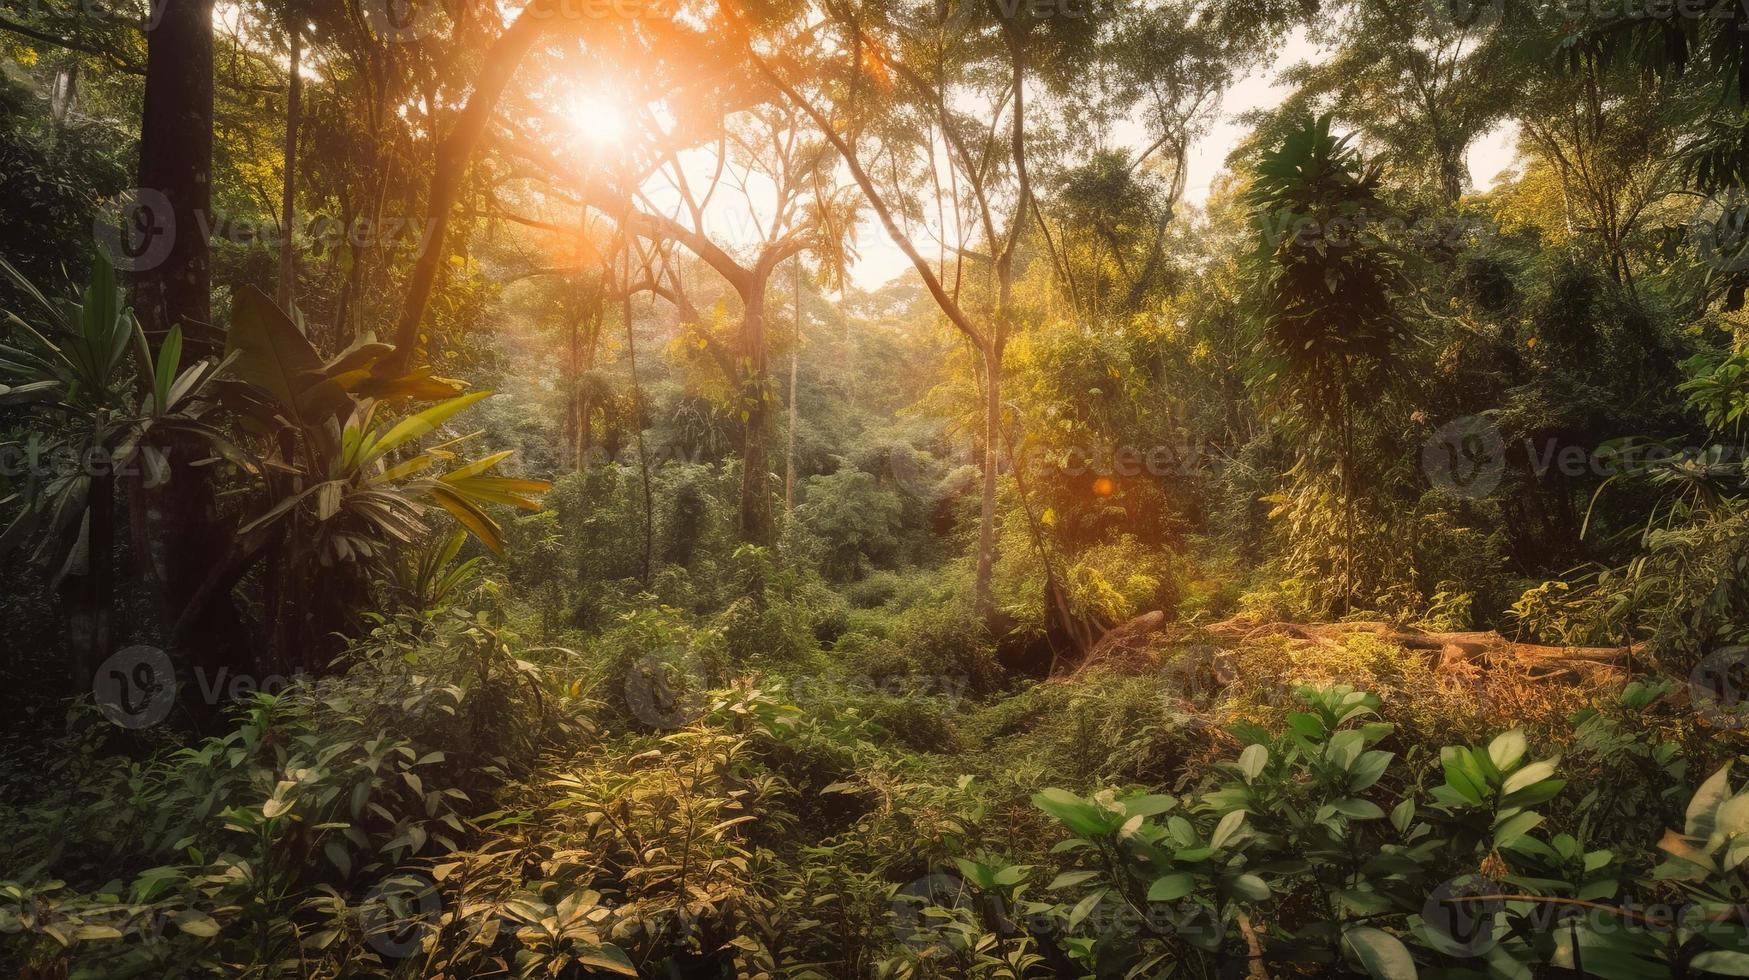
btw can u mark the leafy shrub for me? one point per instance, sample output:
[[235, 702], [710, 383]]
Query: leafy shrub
[[261, 847], [1310, 852], [857, 521], [1122, 579]]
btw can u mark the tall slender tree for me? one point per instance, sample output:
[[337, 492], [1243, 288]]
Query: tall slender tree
[[1330, 330]]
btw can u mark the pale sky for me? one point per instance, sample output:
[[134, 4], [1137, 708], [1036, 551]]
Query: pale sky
[[881, 260]]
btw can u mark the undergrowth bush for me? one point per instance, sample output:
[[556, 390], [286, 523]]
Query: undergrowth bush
[[455, 804]]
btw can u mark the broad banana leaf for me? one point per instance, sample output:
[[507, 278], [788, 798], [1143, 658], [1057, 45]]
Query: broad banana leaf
[[418, 424], [360, 371], [273, 355]]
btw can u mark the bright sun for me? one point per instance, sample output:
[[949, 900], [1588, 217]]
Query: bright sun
[[594, 120]]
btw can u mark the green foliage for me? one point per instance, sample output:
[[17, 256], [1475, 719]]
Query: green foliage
[[1311, 853], [1327, 285], [70, 362], [857, 521], [607, 739], [267, 846]]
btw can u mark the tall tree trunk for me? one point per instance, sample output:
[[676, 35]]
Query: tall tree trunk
[[179, 517], [981, 591], [586, 398], [1347, 490], [176, 152], [573, 375], [93, 594], [789, 450], [638, 409], [756, 524], [453, 154], [288, 260]]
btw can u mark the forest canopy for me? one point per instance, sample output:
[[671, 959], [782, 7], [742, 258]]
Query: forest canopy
[[874, 488]]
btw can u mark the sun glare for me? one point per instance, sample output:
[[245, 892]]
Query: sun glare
[[596, 121]]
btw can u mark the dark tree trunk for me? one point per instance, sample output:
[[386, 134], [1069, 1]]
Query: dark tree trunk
[[789, 449], [92, 594], [756, 521], [179, 517], [288, 258], [176, 153], [638, 410], [986, 567], [453, 154], [573, 377], [1347, 488]]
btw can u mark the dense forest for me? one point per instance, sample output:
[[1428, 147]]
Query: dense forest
[[874, 488]]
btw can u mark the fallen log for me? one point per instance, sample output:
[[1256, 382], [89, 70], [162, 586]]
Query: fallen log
[[1470, 643], [1458, 652]]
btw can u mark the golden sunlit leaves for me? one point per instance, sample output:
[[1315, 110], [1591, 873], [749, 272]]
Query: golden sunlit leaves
[[874, 62]]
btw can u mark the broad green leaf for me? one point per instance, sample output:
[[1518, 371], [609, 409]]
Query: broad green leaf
[[1514, 827], [1148, 806], [610, 958], [1080, 816], [1706, 801], [1732, 816], [1461, 773], [1358, 809], [1536, 772], [1228, 826], [1171, 887], [470, 516], [1368, 769], [196, 923], [1724, 962], [169, 363], [273, 355], [1249, 887], [1069, 879], [1086, 906], [1507, 749], [1252, 761], [1534, 794], [420, 423], [1382, 955]]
